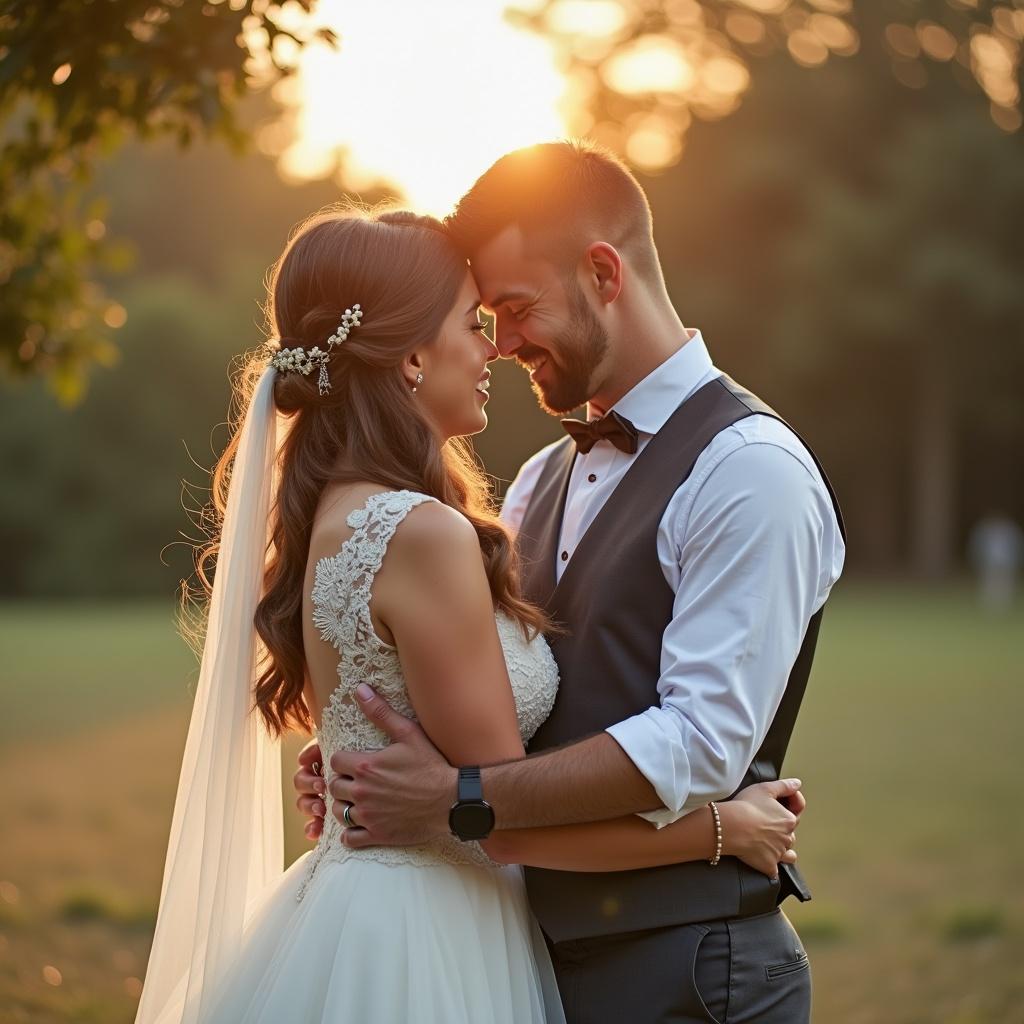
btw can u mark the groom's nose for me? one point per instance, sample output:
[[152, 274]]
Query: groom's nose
[[506, 337]]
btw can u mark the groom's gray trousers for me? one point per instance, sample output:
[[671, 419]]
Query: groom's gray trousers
[[740, 971]]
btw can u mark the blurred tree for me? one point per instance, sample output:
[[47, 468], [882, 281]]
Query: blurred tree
[[642, 70], [919, 278], [95, 493], [78, 77], [854, 254], [92, 497]]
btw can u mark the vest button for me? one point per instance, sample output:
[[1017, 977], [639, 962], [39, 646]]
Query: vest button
[[565, 556], [592, 478]]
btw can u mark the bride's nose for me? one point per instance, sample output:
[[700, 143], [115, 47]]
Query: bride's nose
[[491, 349]]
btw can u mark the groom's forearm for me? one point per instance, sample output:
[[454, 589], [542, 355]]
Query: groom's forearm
[[591, 780]]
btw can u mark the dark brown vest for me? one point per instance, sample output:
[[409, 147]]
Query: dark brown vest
[[615, 603]]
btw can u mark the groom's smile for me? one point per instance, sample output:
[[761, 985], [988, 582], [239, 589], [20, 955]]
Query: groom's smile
[[531, 359]]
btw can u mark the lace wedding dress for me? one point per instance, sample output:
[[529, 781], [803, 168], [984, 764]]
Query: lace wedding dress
[[434, 934]]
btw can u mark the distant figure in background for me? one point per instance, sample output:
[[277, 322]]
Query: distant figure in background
[[996, 549]]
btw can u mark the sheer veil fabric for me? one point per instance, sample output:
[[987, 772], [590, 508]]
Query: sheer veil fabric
[[226, 843]]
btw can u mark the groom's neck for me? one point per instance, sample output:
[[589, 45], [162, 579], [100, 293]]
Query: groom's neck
[[648, 331]]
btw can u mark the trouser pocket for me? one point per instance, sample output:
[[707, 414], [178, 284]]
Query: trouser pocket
[[801, 963], [771, 976]]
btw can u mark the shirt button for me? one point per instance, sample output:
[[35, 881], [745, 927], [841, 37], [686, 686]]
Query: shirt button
[[565, 556], [592, 478]]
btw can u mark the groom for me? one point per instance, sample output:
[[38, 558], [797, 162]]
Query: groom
[[687, 539]]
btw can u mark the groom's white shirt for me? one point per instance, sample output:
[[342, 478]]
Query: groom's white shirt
[[749, 545]]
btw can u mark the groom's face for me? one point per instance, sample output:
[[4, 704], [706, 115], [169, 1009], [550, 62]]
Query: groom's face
[[542, 320]]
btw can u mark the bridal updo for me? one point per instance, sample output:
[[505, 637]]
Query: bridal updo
[[402, 270], [406, 274]]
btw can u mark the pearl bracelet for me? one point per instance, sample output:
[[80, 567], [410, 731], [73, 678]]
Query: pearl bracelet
[[718, 834]]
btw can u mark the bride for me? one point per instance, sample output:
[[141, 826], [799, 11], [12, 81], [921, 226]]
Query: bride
[[357, 544]]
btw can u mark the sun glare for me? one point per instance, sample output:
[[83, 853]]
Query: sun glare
[[420, 97]]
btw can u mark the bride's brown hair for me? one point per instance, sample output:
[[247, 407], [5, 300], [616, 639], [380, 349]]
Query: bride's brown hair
[[405, 273]]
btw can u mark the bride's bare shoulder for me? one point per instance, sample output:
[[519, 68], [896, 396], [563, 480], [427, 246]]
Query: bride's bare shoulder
[[432, 525], [433, 561], [433, 543]]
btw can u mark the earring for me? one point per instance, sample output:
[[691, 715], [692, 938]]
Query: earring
[[419, 381]]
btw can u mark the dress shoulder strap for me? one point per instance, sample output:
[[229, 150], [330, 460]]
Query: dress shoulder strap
[[386, 510], [342, 584]]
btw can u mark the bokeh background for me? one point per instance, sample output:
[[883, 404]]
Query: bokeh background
[[838, 190]]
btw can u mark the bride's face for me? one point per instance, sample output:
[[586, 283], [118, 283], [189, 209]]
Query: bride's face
[[455, 376]]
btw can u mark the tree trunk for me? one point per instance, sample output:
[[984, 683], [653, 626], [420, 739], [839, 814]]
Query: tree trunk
[[933, 452], [878, 528]]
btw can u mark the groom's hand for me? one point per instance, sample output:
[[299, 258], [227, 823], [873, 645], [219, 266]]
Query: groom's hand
[[400, 795]]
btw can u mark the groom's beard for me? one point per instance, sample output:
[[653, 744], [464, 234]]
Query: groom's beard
[[580, 348]]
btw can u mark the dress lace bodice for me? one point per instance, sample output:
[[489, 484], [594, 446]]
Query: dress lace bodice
[[341, 611]]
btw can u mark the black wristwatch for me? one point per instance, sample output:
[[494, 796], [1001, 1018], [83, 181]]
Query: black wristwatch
[[471, 816]]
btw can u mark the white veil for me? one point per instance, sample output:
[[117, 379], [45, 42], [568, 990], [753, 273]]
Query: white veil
[[226, 842]]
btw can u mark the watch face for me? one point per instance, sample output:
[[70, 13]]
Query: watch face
[[472, 820]]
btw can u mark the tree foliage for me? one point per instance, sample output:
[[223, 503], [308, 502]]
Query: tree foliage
[[645, 68], [95, 503], [77, 78]]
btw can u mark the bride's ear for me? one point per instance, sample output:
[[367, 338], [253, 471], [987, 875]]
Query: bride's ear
[[412, 369]]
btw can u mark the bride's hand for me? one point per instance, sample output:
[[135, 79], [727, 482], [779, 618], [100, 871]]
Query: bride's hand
[[759, 828], [310, 787]]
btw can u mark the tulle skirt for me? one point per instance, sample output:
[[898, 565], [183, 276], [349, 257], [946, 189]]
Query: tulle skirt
[[376, 943]]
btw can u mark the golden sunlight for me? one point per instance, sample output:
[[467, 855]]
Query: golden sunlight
[[419, 97]]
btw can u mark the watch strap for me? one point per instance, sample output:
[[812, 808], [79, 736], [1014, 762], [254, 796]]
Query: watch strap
[[470, 784]]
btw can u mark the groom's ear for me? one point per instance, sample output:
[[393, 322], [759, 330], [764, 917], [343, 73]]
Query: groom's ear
[[603, 266]]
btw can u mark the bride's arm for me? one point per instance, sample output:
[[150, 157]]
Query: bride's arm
[[432, 595], [755, 827]]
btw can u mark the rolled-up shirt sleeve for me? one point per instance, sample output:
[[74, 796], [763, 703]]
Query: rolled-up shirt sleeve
[[757, 552]]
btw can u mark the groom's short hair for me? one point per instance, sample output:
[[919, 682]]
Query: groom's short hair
[[563, 195]]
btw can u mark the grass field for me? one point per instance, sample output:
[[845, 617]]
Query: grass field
[[908, 746]]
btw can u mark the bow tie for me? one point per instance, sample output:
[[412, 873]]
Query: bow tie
[[613, 427]]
